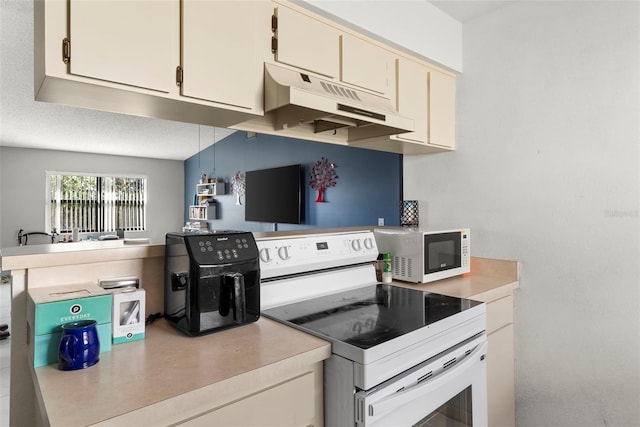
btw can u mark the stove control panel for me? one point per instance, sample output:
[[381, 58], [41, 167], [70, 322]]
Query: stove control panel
[[293, 255]]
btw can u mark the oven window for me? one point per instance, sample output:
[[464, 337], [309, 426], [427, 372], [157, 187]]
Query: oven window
[[455, 413], [442, 252]]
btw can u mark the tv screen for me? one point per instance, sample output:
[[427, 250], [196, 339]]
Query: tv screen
[[274, 195]]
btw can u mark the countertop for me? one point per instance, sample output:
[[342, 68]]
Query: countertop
[[137, 378], [165, 375], [488, 280], [36, 256]]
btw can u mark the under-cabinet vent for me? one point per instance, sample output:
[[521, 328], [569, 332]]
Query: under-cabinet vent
[[343, 92]]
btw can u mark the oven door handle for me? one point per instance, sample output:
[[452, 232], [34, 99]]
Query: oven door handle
[[400, 398]]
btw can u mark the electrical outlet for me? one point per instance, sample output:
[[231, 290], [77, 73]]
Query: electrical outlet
[[380, 222]]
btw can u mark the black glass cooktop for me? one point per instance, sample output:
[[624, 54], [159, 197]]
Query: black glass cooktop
[[371, 315]]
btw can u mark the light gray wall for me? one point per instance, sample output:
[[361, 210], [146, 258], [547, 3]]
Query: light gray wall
[[1, 204], [22, 186], [547, 173]]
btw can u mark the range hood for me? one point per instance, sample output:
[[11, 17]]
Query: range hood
[[303, 101]]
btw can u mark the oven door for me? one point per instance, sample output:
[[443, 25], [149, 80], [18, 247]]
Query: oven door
[[449, 389]]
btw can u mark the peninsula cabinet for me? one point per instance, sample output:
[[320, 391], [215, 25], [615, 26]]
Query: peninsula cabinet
[[289, 404]]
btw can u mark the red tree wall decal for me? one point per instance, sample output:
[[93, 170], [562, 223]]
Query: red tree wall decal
[[323, 175]]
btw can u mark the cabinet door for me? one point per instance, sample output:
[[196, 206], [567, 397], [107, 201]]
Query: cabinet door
[[442, 109], [290, 404], [413, 98], [306, 43], [366, 65], [132, 42], [500, 378], [221, 51]]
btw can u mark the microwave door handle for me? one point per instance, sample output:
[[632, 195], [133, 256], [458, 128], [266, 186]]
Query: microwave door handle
[[239, 298], [396, 400]]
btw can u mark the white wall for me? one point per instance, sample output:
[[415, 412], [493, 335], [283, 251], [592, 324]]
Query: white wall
[[414, 25], [547, 173], [22, 179]]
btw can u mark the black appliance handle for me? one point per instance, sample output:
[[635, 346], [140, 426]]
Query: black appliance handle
[[239, 298]]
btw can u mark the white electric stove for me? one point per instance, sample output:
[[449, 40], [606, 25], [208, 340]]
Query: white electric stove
[[401, 356]]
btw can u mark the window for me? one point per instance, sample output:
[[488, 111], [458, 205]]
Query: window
[[94, 203]]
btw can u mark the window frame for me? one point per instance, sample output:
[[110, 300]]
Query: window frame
[[48, 201]]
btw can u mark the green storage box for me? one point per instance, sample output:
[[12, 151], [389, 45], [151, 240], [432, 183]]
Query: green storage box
[[48, 308]]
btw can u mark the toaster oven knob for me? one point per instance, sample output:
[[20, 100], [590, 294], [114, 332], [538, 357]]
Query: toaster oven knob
[[265, 255], [283, 253]]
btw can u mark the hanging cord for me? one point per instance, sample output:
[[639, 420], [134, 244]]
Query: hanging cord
[[214, 151]]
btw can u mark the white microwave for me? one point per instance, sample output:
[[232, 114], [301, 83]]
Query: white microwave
[[425, 255]]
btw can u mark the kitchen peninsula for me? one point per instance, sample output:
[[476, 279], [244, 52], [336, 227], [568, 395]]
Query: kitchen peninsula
[[213, 376], [205, 379]]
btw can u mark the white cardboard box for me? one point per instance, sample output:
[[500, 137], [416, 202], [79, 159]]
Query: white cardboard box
[[128, 316]]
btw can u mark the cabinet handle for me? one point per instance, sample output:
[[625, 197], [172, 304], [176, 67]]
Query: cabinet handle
[[179, 76], [274, 45], [66, 50]]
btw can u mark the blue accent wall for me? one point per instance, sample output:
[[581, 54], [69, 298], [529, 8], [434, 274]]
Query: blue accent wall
[[369, 182]]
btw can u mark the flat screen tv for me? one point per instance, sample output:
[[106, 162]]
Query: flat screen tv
[[274, 195]]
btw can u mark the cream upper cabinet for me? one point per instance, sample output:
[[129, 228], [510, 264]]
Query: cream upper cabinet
[[413, 92], [366, 65], [442, 109], [306, 43], [223, 51], [129, 42], [428, 96]]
